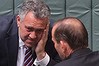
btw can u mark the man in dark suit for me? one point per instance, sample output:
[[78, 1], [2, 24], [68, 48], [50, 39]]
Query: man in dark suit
[[29, 29], [70, 39]]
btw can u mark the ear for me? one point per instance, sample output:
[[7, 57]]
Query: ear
[[63, 46], [18, 20]]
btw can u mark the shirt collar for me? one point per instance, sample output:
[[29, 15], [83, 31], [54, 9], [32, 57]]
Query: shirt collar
[[21, 43]]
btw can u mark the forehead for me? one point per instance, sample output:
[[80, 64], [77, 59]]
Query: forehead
[[30, 19], [54, 28]]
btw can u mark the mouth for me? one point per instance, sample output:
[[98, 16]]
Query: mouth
[[30, 41]]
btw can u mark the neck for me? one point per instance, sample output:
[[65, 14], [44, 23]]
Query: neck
[[68, 53]]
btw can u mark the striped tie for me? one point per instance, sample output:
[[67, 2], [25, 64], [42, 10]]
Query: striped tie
[[28, 59]]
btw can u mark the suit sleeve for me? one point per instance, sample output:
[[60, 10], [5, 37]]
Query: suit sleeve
[[52, 62]]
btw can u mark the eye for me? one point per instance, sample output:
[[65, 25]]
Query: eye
[[39, 30], [29, 30]]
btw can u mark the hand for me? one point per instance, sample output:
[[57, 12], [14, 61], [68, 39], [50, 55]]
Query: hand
[[40, 49]]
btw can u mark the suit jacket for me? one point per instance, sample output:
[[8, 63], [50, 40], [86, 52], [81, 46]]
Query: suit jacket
[[9, 42], [82, 57]]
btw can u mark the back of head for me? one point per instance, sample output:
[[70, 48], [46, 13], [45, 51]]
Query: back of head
[[72, 31], [38, 7]]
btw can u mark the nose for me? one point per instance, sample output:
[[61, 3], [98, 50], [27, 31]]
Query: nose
[[32, 35]]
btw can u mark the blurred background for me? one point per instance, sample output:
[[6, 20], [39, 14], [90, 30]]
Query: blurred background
[[86, 10]]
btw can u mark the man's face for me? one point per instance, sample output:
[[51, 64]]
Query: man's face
[[31, 29]]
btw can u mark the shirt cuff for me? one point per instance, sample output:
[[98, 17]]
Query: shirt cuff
[[42, 62]]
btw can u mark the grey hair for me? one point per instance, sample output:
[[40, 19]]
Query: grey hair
[[38, 7]]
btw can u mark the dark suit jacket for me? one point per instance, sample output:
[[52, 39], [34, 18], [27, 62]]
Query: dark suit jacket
[[83, 57], [9, 42]]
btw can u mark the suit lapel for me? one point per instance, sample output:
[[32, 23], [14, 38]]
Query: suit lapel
[[12, 50], [12, 44]]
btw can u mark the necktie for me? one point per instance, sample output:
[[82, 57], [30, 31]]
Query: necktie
[[28, 59]]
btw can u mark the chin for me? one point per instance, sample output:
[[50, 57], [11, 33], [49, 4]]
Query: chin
[[31, 45], [28, 44]]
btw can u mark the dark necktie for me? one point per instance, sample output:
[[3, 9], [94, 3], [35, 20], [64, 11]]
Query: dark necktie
[[28, 59]]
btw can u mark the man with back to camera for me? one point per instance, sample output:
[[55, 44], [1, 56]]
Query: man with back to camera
[[70, 39]]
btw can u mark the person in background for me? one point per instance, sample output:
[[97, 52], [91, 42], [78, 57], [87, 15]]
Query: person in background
[[27, 33], [70, 39]]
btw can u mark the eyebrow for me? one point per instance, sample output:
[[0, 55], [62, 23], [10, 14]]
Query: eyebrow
[[30, 27]]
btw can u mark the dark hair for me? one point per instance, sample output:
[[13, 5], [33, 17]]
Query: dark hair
[[75, 36]]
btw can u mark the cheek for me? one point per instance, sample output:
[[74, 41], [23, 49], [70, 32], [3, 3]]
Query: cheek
[[57, 47], [22, 31], [25, 32], [59, 50], [24, 35], [39, 36]]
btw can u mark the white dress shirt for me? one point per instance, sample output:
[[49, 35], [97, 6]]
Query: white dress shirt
[[21, 55]]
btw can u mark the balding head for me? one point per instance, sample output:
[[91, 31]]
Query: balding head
[[72, 31]]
